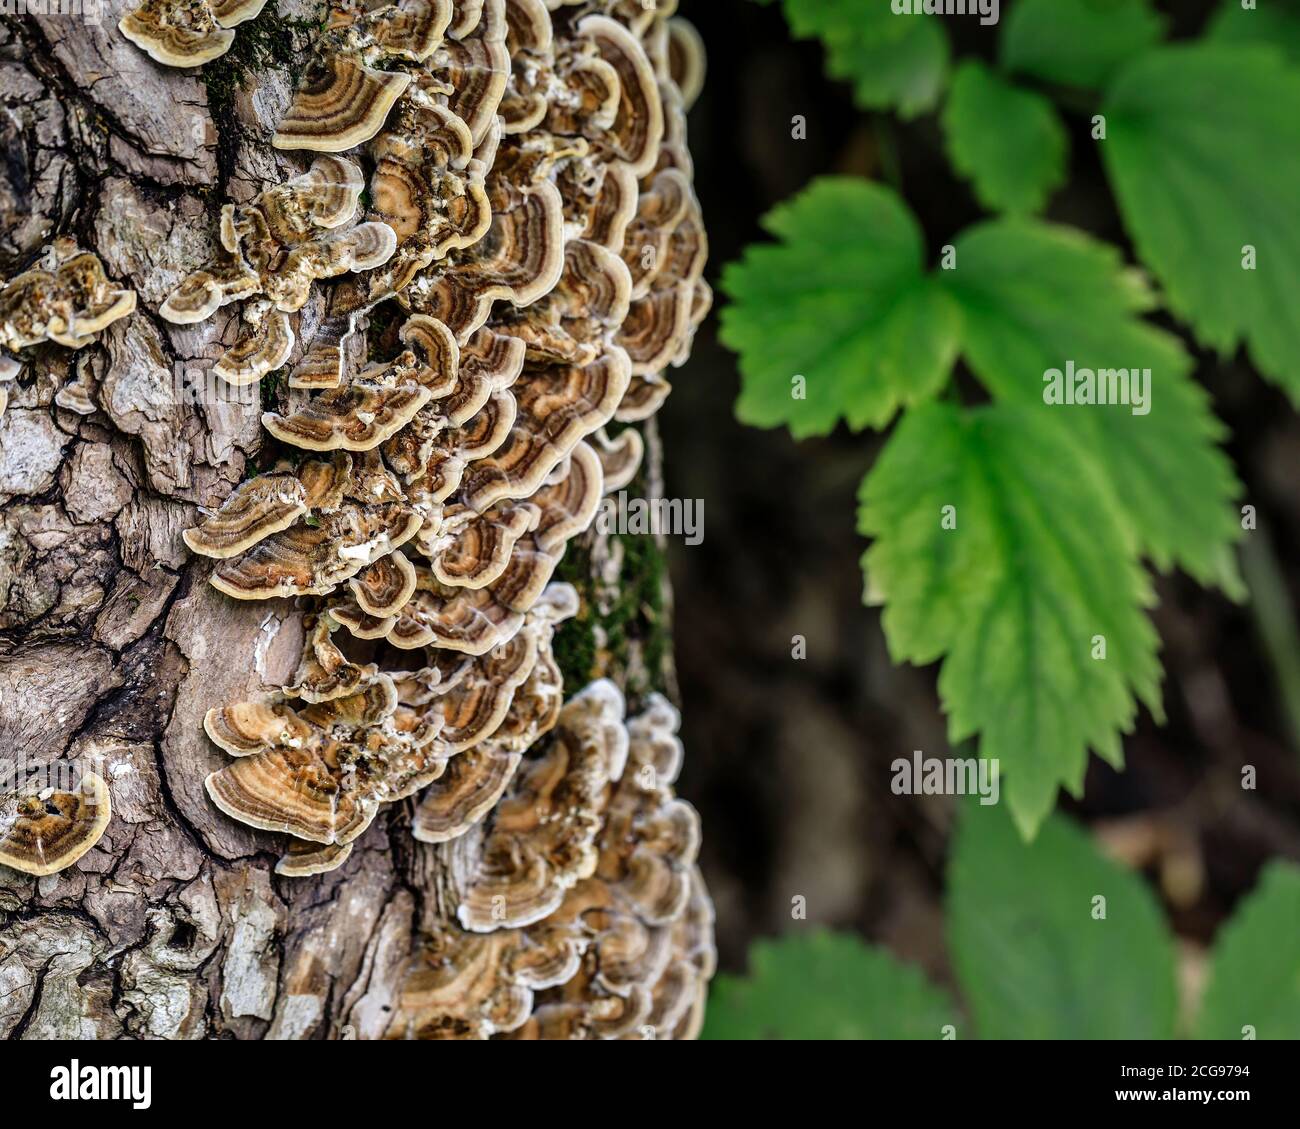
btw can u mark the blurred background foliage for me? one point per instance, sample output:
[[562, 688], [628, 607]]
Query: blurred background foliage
[[789, 760]]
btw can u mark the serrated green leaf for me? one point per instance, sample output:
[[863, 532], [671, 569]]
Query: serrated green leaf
[[1036, 297], [843, 302], [1272, 22], [825, 986], [898, 62], [1012, 599], [1009, 141], [1032, 959], [1255, 976], [1203, 150], [1077, 42]]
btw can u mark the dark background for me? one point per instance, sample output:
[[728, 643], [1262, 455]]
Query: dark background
[[788, 761]]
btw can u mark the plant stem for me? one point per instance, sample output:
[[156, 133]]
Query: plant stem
[[1275, 621]]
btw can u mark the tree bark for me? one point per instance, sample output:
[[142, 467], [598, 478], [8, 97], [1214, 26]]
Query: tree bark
[[112, 643]]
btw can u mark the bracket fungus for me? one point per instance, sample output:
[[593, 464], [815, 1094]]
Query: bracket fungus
[[272, 251], [582, 912], [320, 771], [527, 262], [186, 33], [65, 298], [45, 832]]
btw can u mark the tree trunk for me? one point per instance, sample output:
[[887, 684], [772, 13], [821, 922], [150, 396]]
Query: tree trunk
[[112, 643]]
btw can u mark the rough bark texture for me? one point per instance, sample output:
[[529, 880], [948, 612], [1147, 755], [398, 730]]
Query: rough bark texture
[[112, 644]]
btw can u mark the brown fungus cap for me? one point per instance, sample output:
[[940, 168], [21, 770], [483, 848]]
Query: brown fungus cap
[[558, 406], [263, 346], [357, 418], [65, 298], [520, 259], [325, 672], [470, 788], [543, 836], [181, 33], [475, 620], [259, 507], [47, 832], [322, 198], [339, 103], [314, 559], [620, 457], [246, 728], [382, 589], [305, 860], [203, 292]]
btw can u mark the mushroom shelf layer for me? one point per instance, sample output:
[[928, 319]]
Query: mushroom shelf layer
[[493, 252]]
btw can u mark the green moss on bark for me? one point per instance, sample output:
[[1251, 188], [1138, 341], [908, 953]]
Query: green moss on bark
[[271, 41], [631, 642]]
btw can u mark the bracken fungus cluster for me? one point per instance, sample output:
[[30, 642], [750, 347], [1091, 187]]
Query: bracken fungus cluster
[[511, 179]]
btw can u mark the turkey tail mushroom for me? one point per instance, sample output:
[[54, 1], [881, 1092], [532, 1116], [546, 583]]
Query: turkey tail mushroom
[[46, 832], [526, 264]]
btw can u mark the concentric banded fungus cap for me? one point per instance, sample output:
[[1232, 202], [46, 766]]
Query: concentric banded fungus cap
[[297, 790], [312, 560], [470, 788], [620, 457], [202, 293], [638, 129], [475, 620], [466, 986], [322, 198], [260, 507], [543, 837], [311, 785], [247, 728], [687, 60], [383, 589], [339, 103], [411, 29], [180, 33], [356, 418], [45, 833], [558, 406], [325, 672], [67, 299], [304, 859], [519, 260], [231, 13], [263, 346]]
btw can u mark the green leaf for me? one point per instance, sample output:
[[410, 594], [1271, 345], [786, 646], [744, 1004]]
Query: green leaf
[[1012, 599], [892, 61], [1255, 978], [1274, 22], [1009, 141], [841, 301], [1032, 960], [1077, 42], [825, 986], [1036, 297], [1203, 151]]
